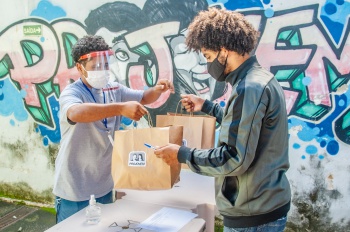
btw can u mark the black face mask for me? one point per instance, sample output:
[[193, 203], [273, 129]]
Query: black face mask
[[216, 69]]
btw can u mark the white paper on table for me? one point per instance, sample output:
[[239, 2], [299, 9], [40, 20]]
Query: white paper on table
[[168, 220]]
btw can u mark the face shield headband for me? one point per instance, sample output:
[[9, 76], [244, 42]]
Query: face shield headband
[[98, 60]]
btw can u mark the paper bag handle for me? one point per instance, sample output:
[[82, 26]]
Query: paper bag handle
[[177, 107], [149, 119]]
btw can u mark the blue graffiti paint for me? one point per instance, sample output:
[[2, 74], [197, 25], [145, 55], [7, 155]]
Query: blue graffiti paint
[[42, 39], [311, 149], [269, 12], [321, 157], [327, 123], [323, 131], [296, 146], [222, 103], [1, 91], [54, 135], [330, 8], [303, 157], [23, 93], [341, 103], [242, 4], [12, 102], [323, 143], [12, 122], [46, 10], [334, 15], [220, 3], [306, 81], [266, 2], [45, 141], [126, 121], [305, 134], [333, 147], [316, 131]]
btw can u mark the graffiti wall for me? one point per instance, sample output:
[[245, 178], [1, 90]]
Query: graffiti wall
[[304, 43]]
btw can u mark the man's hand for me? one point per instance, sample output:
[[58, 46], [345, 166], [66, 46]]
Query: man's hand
[[164, 85], [168, 153], [152, 94], [191, 102], [133, 110]]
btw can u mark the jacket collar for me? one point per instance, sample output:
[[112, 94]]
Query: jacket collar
[[241, 71]]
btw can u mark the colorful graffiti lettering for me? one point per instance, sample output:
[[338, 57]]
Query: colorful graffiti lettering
[[311, 69], [305, 44]]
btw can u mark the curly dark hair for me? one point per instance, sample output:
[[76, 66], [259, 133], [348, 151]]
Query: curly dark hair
[[87, 44], [219, 28]]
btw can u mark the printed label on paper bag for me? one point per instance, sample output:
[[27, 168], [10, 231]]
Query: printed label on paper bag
[[137, 158]]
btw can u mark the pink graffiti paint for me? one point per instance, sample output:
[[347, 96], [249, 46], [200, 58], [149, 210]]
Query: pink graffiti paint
[[137, 75]]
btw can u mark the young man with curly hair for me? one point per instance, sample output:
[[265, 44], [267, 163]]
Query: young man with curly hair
[[251, 159], [90, 112]]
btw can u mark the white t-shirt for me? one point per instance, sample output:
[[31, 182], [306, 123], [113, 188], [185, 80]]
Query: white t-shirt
[[83, 163]]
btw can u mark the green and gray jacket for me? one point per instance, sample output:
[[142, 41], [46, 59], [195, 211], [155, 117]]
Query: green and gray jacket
[[251, 159]]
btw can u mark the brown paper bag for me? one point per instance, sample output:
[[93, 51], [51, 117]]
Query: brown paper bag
[[135, 166], [199, 131]]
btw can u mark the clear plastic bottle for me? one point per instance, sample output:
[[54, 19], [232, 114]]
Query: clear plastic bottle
[[93, 212]]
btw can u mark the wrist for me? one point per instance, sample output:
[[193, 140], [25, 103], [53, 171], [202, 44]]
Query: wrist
[[201, 102], [159, 89], [119, 108]]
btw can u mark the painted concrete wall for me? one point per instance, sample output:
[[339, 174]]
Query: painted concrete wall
[[305, 43]]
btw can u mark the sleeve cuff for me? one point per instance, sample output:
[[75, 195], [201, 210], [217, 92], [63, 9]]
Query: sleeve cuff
[[207, 107], [183, 154]]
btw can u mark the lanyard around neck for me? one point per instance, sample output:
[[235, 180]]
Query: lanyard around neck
[[104, 121]]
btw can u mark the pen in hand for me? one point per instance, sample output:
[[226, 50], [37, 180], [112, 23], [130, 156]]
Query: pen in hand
[[150, 146]]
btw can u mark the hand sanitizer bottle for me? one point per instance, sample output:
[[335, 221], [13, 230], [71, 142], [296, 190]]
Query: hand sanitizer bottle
[[93, 212]]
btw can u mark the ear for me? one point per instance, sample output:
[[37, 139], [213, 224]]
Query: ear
[[224, 51], [77, 65], [79, 68]]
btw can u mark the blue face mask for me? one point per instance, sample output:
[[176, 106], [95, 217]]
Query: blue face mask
[[216, 69]]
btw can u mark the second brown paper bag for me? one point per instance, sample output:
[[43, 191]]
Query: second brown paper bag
[[199, 131], [135, 166]]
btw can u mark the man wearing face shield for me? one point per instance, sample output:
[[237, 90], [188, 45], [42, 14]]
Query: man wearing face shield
[[90, 111], [251, 159]]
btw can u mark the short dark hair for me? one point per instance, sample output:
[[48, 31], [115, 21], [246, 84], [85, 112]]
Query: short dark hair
[[219, 28], [87, 44]]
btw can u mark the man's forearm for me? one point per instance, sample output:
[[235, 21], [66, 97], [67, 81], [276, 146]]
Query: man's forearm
[[150, 95], [213, 109], [91, 112]]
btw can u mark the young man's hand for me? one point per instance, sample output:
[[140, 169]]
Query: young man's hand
[[168, 153], [191, 102], [164, 85]]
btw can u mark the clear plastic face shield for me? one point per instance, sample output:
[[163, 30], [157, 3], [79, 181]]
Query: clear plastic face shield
[[97, 65]]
